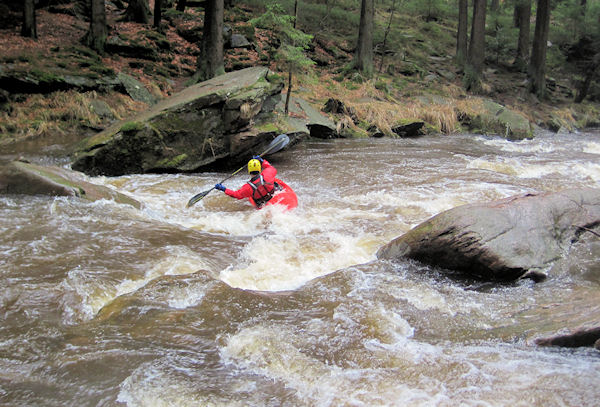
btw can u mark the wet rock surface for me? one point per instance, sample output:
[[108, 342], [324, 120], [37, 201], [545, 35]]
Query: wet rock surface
[[520, 236]]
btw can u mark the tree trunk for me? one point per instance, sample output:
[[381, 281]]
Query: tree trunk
[[495, 6], [537, 65], [138, 11], [385, 36], [157, 13], [364, 50], [211, 62], [29, 28], [96, 37], [289, 92], [181, 5], [584, 87], [476, 54], [462, 34], [523, 14]]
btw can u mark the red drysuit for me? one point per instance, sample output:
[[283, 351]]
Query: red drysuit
[[262, 187]]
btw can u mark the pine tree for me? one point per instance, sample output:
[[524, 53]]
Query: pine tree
[[29, 28], [363, 59], [537, 65], [293, 42]]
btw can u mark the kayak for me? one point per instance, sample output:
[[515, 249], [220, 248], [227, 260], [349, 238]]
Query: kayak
[[284, 196]]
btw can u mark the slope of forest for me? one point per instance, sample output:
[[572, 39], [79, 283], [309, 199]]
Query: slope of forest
[[416, 77]]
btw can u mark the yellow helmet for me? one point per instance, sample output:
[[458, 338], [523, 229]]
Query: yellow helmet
[[254, 165]]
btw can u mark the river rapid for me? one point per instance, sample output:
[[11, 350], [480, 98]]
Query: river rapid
[[222, 305]]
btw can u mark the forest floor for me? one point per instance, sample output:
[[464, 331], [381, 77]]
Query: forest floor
[[389, 97]]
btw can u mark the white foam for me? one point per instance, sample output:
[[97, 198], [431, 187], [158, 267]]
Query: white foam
[[592, 148], [276, 353], [587, 171], [516, 167], [86, 296], [280, 262], [521, 146]]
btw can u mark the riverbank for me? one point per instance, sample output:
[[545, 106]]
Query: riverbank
[[421, 87]]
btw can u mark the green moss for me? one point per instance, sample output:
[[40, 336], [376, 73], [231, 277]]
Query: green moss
[[131, 126], [44, 76], [351, 85], [354, 132], [274, 78], [172, 162], [267, 128], [248, 31], [103, 70], [87, 52]]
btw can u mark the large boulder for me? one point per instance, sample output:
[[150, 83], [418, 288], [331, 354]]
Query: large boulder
[[502, 240], [218, 122], [186, 131], [19, 177]]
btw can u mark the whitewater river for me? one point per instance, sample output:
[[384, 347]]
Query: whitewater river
[[221, 305]]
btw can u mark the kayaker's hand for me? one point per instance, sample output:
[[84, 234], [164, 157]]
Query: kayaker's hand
[[220, 187], [258, 157]]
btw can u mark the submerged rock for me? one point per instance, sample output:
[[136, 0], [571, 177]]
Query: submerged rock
[[579, 338], [408, 130], [520, 236], [18, 177]]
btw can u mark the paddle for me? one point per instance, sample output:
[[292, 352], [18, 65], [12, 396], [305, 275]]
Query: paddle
[[277, 144]]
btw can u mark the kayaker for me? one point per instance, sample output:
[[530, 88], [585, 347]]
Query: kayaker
[[261, 186]]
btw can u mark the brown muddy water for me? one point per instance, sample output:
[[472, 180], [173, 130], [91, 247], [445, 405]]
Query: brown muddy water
[[221, 305]]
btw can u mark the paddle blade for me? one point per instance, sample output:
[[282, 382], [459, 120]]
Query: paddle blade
[[197, 197], [277, 144]]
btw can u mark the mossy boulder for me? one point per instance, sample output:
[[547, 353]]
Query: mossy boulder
[[493, 118], [187, 131], [222, 121], [19, 177], [135, 89]]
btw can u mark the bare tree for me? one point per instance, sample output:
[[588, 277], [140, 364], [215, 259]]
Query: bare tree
[[96, 36], [29, 28], [523, 17], [462, 34], [476, 54], [590, 73], [387, 31], [157, 13], [290, 73], [211, 62], [363, 60], [537, 65], [138, 11], [495, 6]]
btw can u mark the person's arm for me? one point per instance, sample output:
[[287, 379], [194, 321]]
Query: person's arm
[[268, 171], [244, 192]]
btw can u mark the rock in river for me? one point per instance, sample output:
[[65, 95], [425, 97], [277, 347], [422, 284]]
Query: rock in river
[[186, 131], [19, 177], [505, 239], [224, 120]]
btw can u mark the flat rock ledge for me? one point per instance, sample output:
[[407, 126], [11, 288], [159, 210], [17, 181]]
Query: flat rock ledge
[[516, 237], [19, 177]]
